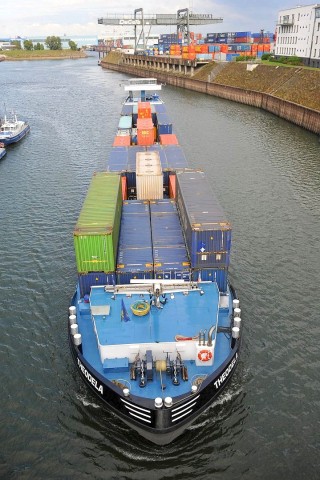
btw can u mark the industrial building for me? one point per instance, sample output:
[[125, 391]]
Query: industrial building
[[298, 34]]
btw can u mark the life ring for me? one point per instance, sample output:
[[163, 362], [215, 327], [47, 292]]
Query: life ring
[[140, 308], [204, 355]]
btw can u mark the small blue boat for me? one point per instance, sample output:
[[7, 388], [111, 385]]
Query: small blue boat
[[12, 130], [154, 326]]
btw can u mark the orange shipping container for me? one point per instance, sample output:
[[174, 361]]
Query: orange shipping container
[[144, 123], [124, 188], [145, 131], [168, 139], [144, 110], [189, 56], [145, 136], [122, 141], [172, 186]]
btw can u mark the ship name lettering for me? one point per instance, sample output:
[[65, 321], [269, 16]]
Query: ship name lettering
[[225, 374], [90, 378]]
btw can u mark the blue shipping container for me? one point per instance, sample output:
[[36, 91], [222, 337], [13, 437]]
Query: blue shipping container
[[166, 230], [135, 219], [207, 232], [171, 261], [118, 159], [242, 34], [88, 280], [213, 48], [169, 251], [184, 275], [164, 124], [126, 110], [123, 278], [218, 275], [175, 156], [133, 207], [134, 260], [163, 206]]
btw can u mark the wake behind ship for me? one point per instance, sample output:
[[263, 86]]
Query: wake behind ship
[[154, 325]]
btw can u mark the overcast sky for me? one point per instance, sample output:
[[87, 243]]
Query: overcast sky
[[79, 17]]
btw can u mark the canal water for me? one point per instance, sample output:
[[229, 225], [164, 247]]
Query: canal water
[[266, 174]]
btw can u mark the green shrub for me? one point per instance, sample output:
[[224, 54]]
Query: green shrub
[[287, 60], [244, 58]]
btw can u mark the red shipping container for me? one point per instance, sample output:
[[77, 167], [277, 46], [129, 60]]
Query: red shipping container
[[124, 188], [145, 132], [168, 139], [122, 141], [144, 123], [144, 110], [172, 186], [242, 39], [145, 136]]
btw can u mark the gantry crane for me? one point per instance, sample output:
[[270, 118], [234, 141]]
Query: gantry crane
[[182, 20]]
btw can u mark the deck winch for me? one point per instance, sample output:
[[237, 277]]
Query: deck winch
[[144, 368]]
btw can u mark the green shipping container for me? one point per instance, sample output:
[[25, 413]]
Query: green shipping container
[[96, 234]]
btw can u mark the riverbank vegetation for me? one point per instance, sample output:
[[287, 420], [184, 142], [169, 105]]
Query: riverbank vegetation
[[42, 54], [296, 84], [29, 50]]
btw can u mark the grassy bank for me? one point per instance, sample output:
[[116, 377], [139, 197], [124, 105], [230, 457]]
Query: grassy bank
[[42, 54], [299, 85], [296, 84]]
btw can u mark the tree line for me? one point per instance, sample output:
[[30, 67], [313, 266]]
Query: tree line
[[52, 43]]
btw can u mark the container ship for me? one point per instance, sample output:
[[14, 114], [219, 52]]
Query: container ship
[[154, 325]]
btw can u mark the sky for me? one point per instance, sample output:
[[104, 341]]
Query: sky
[[31, 18]]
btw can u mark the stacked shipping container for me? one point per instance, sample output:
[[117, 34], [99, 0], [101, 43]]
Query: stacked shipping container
[[157, 239], [97, 231], [149, 176], [135, 259], [207, 232], [169, 251]]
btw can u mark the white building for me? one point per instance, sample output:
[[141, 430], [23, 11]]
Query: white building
[[298, 34]]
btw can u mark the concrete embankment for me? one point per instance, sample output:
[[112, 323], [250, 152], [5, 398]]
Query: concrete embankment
[[274, 89]]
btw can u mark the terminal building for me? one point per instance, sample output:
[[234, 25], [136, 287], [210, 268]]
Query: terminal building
[[298, 34]]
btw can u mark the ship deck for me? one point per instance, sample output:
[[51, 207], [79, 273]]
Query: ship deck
[[184, 315]]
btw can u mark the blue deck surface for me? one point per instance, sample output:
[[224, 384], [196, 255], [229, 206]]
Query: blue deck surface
[[183, 315]]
